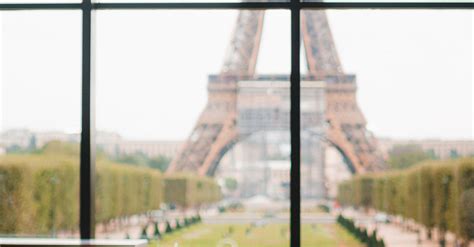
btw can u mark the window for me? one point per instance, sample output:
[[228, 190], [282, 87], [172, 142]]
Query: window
[[257, 131]]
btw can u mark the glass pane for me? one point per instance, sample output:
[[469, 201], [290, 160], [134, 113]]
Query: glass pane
[[183, 101], [387, 126], [40, 123]]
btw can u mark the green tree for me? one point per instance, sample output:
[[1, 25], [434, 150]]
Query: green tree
[[140, 159], [14, 149], [231, 184], [32, 144], [404, 156], [136, 159], [159, 162]]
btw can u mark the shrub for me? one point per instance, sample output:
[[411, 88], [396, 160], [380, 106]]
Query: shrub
[[156, 232], [144, 234], [359, 233], [189, 191], [434, 193], [177, 225], [443, 198], [38, 194], [41, 192], [168, 228], [465, 193], [425, 199], [126, 190]]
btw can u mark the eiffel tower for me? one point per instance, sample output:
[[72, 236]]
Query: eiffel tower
[[215, 131]]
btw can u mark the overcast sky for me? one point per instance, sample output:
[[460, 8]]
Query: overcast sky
[[414, 68]]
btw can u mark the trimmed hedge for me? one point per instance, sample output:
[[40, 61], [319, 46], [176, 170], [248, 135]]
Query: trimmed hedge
[[188, 191], [157, 234], [126, 190], [39, 193], [371, 240], [434, 193]]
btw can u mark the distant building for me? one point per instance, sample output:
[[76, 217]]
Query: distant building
[[15, 137], [44, 137], [110, 142], [24, 138], [149, 148], [442, 149]]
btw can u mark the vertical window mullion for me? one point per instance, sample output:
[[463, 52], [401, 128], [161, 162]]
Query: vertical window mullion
[[87, 163], [295, 196]]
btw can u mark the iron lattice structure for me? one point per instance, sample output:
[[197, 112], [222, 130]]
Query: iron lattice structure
[[216, 129]]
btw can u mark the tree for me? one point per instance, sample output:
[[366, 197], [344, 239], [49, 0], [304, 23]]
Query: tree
[[144, 234], [136, 159], [159, 162], [168, 228], [140, 159], [14, 149], [32, 144], [404, 156], [231, 184]]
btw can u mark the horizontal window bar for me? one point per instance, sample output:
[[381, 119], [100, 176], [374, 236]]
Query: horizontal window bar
[[200, 5], [387, 5], [39, 6], [286, 5], [245, 5]]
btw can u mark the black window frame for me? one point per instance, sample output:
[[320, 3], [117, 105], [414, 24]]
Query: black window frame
[[87, 154]]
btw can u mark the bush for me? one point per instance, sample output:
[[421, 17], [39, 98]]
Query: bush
[[189, 191], [465, 193], [156, 232], [40, 192], [177, 224], [434, 193], [359, 233], [425, 197], [126, 190], [443, 198], [168, 228], [144, 234]]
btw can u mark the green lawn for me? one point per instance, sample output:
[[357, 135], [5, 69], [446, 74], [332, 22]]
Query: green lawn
[[275, 235]]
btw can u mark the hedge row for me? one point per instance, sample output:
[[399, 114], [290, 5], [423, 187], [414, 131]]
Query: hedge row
[[185, 190], [126, 190], [39, 193], [434, 193], [371, 240], [157, 234]]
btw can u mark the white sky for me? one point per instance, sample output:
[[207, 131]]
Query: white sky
[[414, 68]]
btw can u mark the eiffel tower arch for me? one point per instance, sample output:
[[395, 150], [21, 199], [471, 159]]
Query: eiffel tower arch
[[216, 130]]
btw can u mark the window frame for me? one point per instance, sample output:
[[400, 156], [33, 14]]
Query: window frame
[[87, 154]]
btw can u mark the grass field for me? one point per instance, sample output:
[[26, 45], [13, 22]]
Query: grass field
[[274, 235]]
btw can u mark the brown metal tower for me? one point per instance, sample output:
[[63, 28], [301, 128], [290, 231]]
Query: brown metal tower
[[215, 132]]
